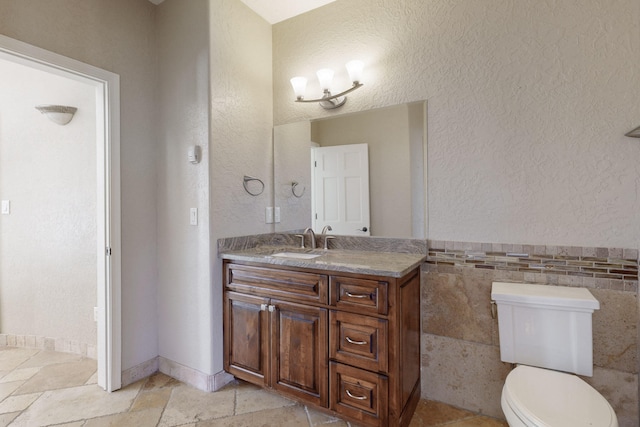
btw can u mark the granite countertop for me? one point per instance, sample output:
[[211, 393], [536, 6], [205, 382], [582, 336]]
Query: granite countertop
[[389, 264]]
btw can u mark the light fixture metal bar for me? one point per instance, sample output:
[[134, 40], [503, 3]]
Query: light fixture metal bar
[[356, 85], [635, 133]]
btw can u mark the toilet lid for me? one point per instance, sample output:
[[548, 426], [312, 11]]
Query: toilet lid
[[548, 398]]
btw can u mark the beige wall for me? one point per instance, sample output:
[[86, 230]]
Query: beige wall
[[184, 258], [386, 131], [528, 106], [241, 123], [118, 36], [48, 242]]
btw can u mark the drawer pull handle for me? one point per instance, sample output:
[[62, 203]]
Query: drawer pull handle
[[350, 341], [353, 396], [349, 294]]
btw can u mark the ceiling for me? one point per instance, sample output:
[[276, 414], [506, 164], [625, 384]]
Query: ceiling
[[274, 11]]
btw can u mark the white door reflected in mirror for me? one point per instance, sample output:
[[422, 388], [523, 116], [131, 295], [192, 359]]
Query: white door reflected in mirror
[[340, 181]]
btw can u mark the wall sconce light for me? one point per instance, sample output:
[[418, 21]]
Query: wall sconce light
[[59, 114], [325, 76]]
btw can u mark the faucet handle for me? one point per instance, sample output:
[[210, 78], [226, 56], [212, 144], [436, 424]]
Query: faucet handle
[[326, 241], [301, 236]]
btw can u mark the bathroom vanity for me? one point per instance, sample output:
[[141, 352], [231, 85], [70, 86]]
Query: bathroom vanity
[[339, 331]]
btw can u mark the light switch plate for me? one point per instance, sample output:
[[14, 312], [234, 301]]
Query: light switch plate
[[276, 215], [268, 215], [193, 216], [6, 207]]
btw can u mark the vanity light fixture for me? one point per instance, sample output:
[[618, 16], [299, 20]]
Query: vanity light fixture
[[59, 114], [325, 76]]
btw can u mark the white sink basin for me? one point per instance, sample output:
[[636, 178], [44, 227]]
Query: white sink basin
[[296, 255]]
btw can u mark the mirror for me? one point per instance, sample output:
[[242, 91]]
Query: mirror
[[396, 137]]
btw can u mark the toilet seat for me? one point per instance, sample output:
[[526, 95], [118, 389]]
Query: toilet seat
[[541, 397]]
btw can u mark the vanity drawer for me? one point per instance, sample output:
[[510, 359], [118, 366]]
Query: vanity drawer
[[359, 341], [361, 295], [277, 283], [359, 394]]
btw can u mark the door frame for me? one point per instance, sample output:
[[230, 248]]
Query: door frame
[[107, 89]]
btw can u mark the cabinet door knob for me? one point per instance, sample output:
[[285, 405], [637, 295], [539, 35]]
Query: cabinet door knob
[[350, 295], [350, 341], [263, 307], [354, 396], [272, 308]]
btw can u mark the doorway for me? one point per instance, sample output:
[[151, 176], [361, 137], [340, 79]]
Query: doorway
[[106, 86]]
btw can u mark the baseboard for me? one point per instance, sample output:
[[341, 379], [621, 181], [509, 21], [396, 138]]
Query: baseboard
[[193, 377], [61, 345], [138, 372]]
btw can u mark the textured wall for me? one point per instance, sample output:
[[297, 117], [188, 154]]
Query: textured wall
[[48, 242], [528, 105], [241, 122], [118, 36], [184, 273]]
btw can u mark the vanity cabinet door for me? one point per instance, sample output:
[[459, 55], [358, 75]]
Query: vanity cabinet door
[[299, 351], [246, 337]]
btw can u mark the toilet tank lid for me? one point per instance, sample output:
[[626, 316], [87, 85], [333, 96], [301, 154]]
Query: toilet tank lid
[[558, 296]]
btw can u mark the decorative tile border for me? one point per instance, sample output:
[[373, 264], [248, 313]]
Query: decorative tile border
[[612, 268], [62, 345]]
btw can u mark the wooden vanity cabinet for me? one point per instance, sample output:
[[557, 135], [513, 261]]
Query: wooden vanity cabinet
[[346, 342]]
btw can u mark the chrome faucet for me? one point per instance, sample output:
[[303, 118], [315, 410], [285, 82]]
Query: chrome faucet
[[313, 236], [327, 238]]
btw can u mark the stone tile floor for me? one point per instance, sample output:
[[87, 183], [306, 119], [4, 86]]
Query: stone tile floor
[[45, 388]]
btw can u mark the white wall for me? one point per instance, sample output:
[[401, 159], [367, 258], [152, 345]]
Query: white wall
[[528, 105], [118, 36], [184, 258], [241, 122], [48, 242]]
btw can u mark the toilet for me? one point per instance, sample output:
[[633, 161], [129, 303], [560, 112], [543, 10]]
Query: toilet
[[546, 331]]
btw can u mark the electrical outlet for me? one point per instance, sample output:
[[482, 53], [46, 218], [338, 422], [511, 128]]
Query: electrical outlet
[[6, 207], [95, 314]]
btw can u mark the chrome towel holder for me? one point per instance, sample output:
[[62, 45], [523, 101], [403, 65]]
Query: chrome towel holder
[[249, 179]]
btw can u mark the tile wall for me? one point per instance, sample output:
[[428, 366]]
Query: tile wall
[[460, 348]]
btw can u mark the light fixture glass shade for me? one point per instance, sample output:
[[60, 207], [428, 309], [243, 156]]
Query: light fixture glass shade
[[59, 114], [325, 76], [299, 86], [354, 68]]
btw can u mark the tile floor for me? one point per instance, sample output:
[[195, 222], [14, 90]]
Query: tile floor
[[44, 388]]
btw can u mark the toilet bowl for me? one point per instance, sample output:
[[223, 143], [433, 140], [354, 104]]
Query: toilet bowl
[[544, 398]]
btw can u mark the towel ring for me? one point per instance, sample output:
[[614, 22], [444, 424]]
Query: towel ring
[[251, 178], [294, 184]]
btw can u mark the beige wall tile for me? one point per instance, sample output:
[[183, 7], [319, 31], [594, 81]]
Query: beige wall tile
[[463, 374], [615, 331]]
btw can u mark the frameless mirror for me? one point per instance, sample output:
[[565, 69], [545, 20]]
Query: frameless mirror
[[396, 141]]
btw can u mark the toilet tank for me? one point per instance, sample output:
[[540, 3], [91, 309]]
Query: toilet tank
[[545, 326]]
